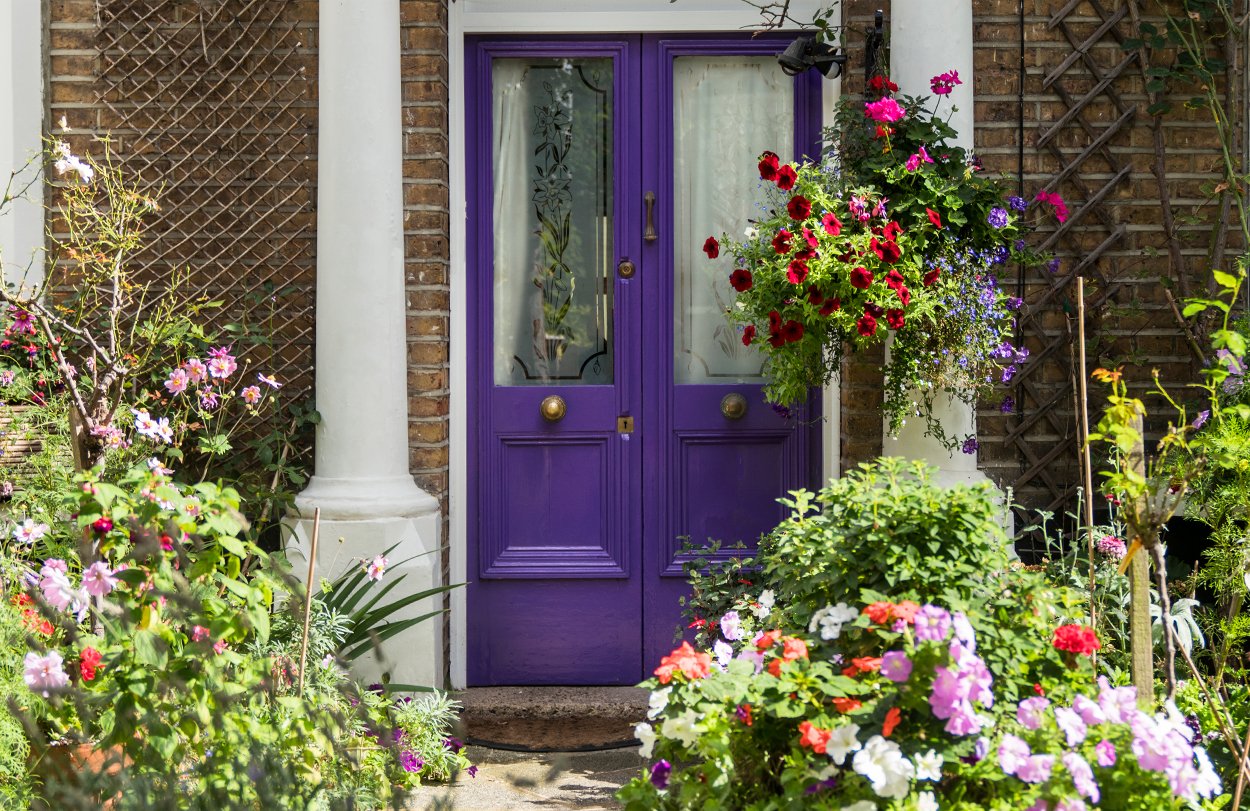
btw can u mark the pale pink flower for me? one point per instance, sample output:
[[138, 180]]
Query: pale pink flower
[[196, 370], [45, 673], [251, 395], [377, 567], [269, 381], [222, 367], [98, 579], [177, 382]]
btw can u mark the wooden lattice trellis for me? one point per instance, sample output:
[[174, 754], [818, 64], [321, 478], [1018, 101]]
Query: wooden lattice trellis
[[1045, 435], [207, 103]]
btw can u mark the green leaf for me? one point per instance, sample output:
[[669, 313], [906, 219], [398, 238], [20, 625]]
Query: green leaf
[[1226, 280]]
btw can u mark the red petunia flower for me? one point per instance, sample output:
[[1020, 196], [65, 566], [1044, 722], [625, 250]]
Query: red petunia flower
[[812, 241], [1078, 639], [894, 319], [891, 722], [934, 217], [813, 737], [893, 279], [814, 296], [867, 326], [931, 277], [886, 250], [833, 226], [793, 648], [686, 660], [873, 309], [774, 321], [781, 242], [767, 640], [831, 306], [892, 230], [776, 340], [769, 163], [792, 331], [805, 255], [799, 207], [796, 272], [748, 334], [786, 176], [861, 278], [740, 280], [711, 247], [904, 295]]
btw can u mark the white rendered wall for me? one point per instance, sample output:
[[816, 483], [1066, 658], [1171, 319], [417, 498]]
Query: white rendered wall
[[21, 133], [928, 37], [553, 17]]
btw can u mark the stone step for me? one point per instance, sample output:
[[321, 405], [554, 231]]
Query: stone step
[[553, 719]]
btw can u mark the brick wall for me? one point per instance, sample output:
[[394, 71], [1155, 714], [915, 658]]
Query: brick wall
[[424, 32]]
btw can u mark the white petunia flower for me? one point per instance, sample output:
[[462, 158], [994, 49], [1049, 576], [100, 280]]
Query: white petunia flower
[[842, 742], [882, 763], [657, 702], [683, 728], [646, 736], [765, 604], [925, 801], [830, 619], [929, 766]]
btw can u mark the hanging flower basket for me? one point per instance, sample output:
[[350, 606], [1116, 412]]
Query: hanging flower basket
[[896, 235]]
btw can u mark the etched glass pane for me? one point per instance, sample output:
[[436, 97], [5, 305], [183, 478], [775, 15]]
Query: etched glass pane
[[716, 145], [552, 221]]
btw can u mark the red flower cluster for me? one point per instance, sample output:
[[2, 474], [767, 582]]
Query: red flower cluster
[[883, 613], [780, 334], [792, 648], [881, 85], [813, 737], [862, 664], [88, 663], [686, 660], [1078, 639], [1061, 208], [30, 615]]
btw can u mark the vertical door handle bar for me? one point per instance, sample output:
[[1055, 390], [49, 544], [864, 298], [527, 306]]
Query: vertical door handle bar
[[649, 234]]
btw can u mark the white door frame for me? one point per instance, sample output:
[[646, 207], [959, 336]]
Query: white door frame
[[551, 17]]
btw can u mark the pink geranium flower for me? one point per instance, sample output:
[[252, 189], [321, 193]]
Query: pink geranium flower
[[944, 83], [884, 111]]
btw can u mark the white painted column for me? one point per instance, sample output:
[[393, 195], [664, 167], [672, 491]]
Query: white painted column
[[369, 501], [928, 37], [21, 134]]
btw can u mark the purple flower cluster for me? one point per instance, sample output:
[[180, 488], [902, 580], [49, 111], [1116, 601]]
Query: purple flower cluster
[[998, 218], [958, 687], [1161, 743]]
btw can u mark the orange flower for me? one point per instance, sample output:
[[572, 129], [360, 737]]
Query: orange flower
[[845, 705], [774, 667], [906, 611], [692, 663], [814, 738], [795, 648], [891, 721], [862, 664], [767, 640], [879, 612]]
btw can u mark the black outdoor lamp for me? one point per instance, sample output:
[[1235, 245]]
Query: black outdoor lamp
[[806, 52]]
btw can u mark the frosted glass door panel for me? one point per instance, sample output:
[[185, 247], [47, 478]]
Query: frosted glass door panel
[[552, 149], [726, 111]]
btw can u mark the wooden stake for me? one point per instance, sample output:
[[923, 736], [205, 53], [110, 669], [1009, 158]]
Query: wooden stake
[[308, 590], [1140, 637], [1085, 452]]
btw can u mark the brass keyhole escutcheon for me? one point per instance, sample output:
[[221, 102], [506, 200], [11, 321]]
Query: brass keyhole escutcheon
[[625, 268], [733, 406], [553, 408]]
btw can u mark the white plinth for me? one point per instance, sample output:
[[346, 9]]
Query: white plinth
[[414, 656]]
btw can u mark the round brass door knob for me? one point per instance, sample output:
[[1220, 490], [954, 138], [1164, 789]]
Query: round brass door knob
[[553, 408], [733, 406]]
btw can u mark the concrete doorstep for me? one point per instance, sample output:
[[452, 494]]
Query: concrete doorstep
[[549, 725], [553, 780]]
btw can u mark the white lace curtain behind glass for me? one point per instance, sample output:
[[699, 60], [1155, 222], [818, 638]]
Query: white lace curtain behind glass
[[726, 111]]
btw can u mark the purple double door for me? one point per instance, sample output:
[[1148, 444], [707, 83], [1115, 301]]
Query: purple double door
[[614, 411]]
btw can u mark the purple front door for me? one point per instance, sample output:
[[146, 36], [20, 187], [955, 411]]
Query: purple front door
[[614, 411]]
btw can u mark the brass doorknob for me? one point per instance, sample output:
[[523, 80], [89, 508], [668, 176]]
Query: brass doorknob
[[553, 408], [733, 406]]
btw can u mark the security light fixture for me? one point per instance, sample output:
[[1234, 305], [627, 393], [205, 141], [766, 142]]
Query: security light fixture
[[806, 52]]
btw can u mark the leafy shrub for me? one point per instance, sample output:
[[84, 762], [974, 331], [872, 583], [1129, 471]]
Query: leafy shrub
[[885, 531]]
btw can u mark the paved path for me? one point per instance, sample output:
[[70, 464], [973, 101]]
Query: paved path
[[507, 780]]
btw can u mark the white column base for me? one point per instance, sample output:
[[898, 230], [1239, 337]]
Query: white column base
[[416, 655]]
